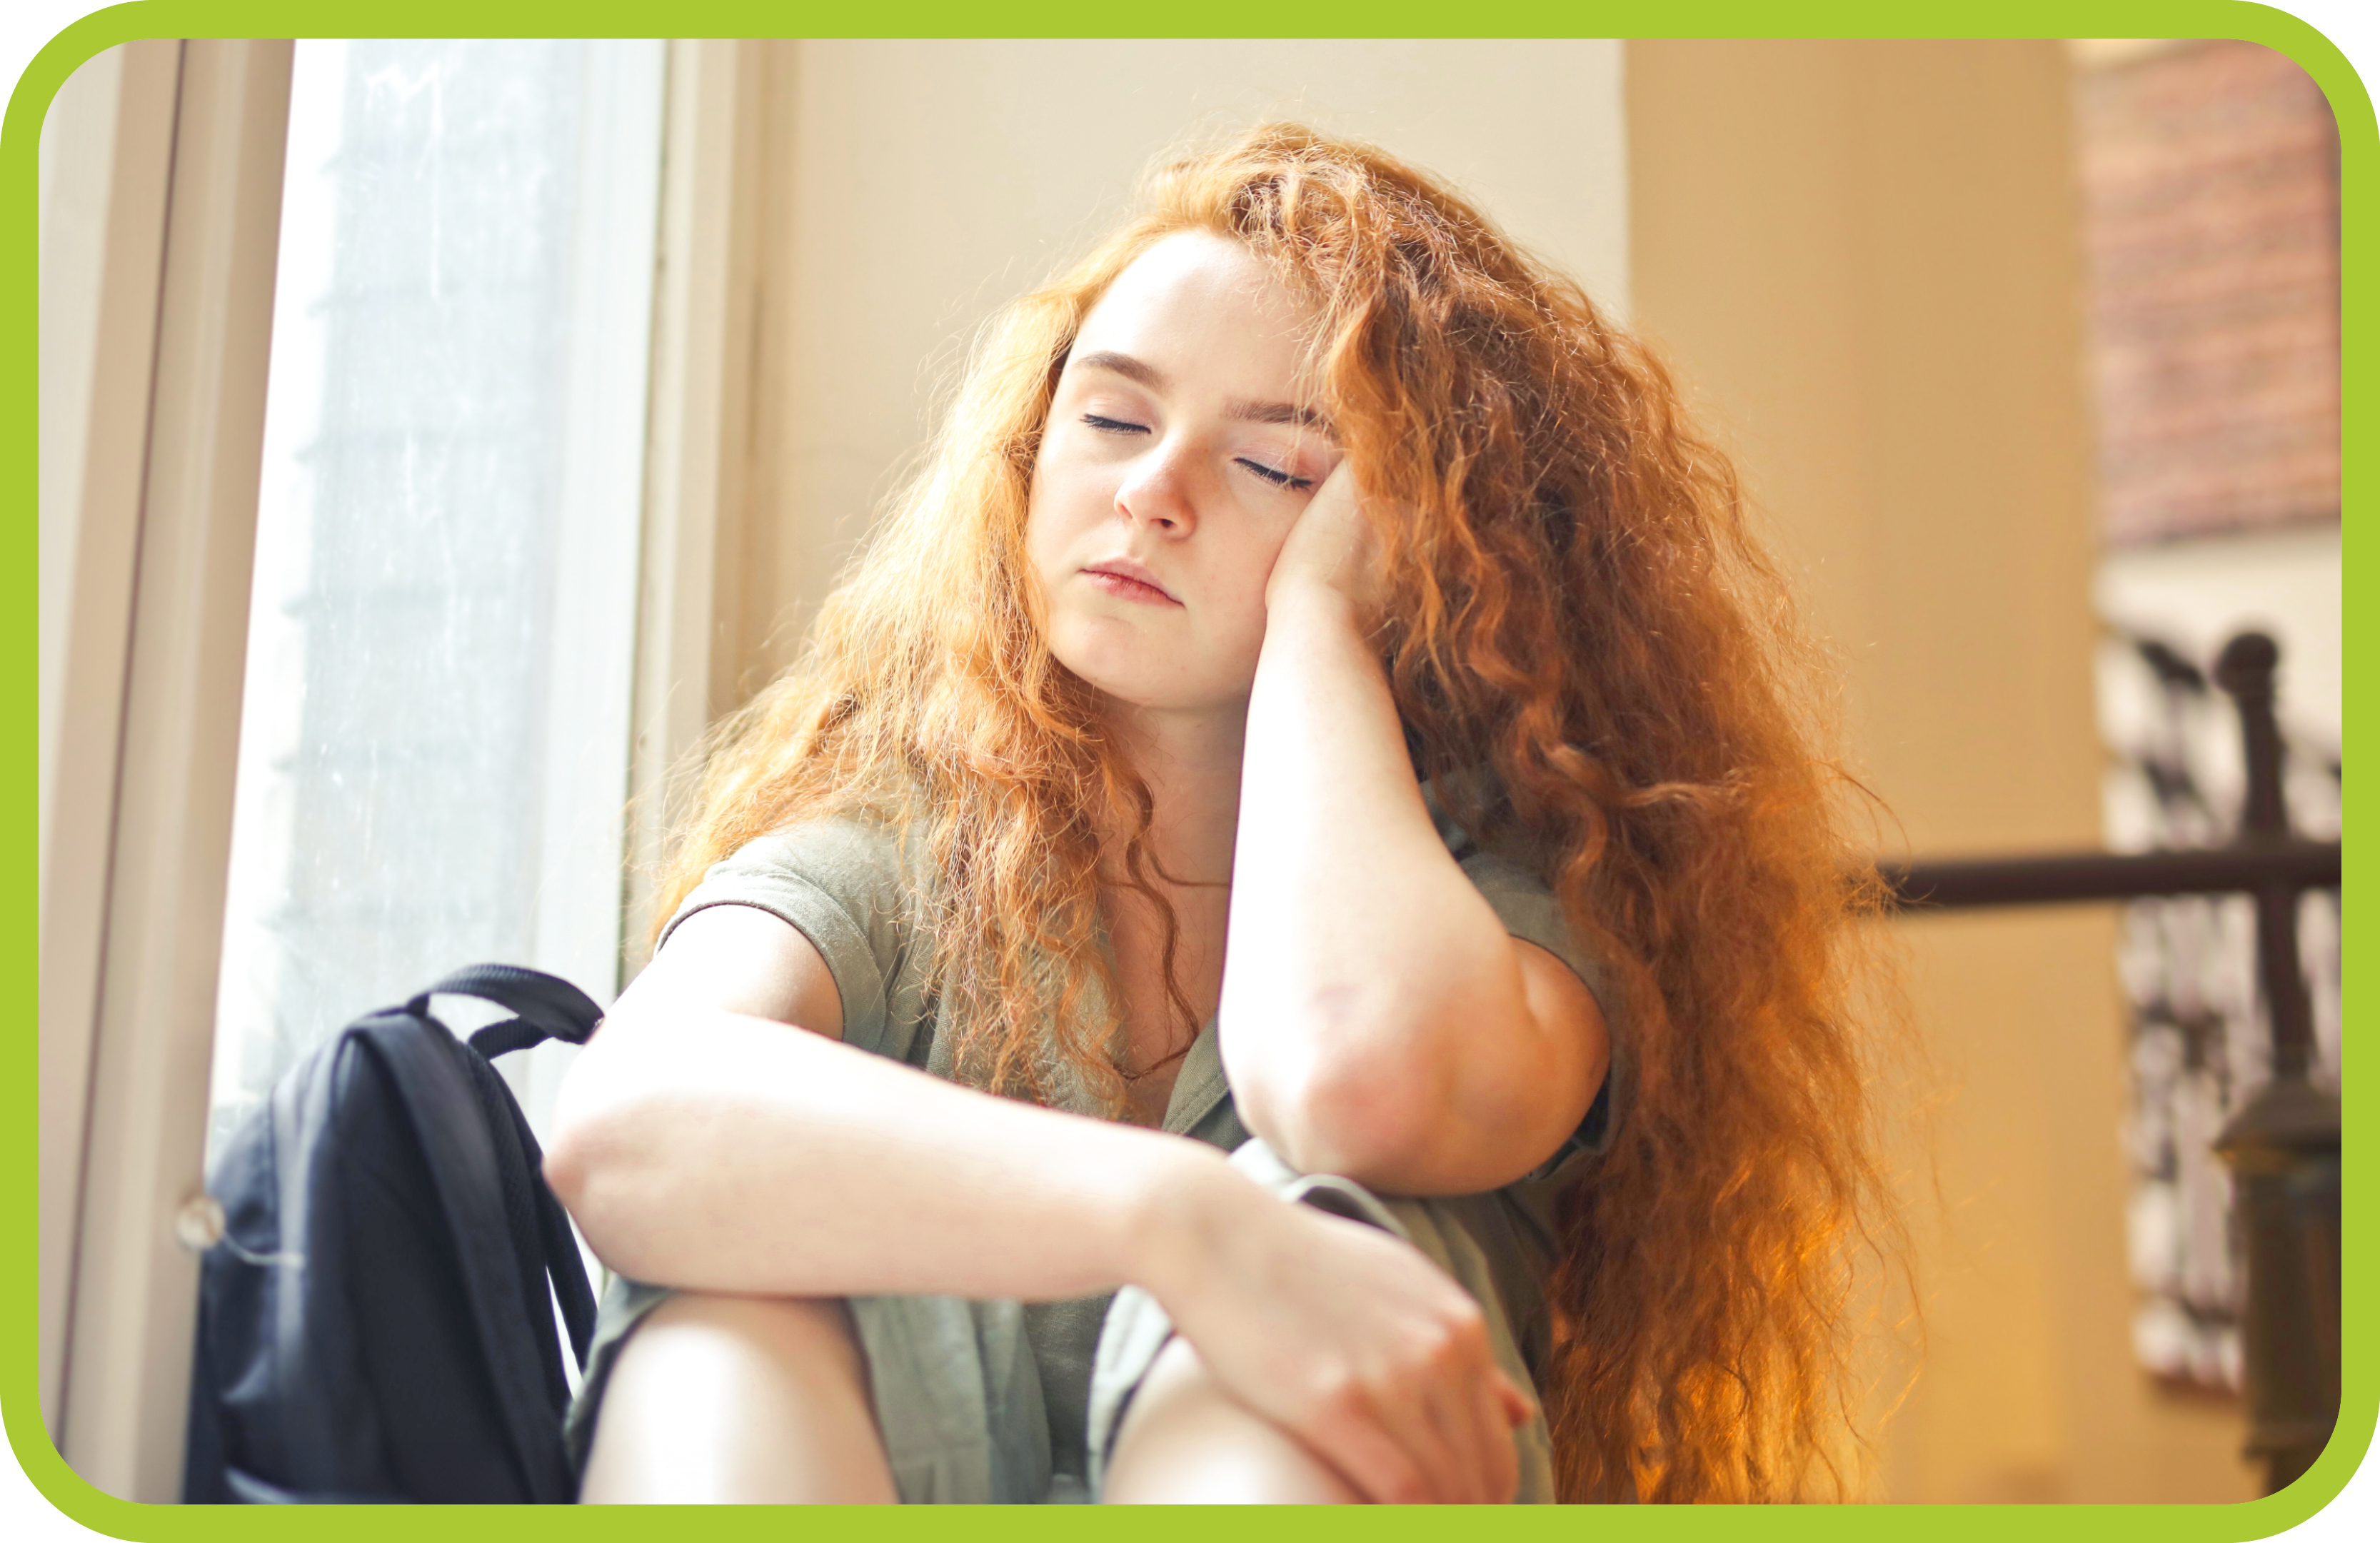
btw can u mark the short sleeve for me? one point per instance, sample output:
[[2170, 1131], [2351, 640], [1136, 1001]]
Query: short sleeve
[[1527, 906], [1528, 910], [840, 883]]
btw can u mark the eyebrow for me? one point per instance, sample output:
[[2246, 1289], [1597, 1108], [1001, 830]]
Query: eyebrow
[[1239, 407]]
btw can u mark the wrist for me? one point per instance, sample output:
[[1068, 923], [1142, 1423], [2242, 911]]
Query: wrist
[[1180, 1220], [1302, 602]]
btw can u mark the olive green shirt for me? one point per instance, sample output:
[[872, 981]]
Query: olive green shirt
[[847, 886]]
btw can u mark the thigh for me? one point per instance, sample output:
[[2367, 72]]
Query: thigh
[[741, 1399], [1186, 1440], [1138, 1335]]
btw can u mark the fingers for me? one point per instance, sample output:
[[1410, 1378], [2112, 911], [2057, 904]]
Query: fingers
[[1332, 545], [1367, 1354], [1455, 1414], [1438, 1428], [1382, 1467], [1448, 1446], [1472, 1403], [1433, 1429], [1502, 1468], [1449, 1406], [1387, 1430], [1519, 1408], [1477, 1420]]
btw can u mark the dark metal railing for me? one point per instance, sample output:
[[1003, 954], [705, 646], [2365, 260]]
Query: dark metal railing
[[2283, 1145], [2290, 863]]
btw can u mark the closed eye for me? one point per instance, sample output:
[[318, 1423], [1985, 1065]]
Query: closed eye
[[1277, 477], [1114, 425]]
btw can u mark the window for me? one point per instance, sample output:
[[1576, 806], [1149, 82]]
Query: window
[[337, 665], [435, 731]]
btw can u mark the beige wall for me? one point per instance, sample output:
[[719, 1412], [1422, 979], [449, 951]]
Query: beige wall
[[910, 188], [1862, 254]]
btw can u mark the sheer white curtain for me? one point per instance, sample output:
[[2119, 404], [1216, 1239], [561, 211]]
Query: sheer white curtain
[[435, 732]]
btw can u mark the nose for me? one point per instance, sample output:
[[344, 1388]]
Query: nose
[[1159, 489]]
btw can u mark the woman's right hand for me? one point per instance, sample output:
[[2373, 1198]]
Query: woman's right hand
[[1346, 1336]]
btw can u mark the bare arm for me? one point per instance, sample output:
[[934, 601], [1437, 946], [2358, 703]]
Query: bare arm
[[1377, 1019], [701, 1142]]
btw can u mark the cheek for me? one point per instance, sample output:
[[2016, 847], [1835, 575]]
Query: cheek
[[1253, 556], [1039, 542], [1241, 627], [1045, 523], [1063, 501]]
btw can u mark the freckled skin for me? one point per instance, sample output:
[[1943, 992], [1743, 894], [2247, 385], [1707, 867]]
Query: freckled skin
[[1168, 478]]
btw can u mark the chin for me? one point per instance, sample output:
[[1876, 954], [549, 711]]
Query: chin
[[1132, 689], [1130, 671]]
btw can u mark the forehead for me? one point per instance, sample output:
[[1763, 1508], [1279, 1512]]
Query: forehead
[[1202, 299]]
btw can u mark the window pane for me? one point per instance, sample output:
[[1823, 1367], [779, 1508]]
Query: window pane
[[434, 740]]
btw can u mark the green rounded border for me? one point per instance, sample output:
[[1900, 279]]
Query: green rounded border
[[19, 170]]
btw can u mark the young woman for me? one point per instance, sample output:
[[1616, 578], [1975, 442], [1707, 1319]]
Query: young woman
[[1319, 704]]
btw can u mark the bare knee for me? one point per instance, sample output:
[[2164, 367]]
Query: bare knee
[[739, 1398], [1186, 1440]]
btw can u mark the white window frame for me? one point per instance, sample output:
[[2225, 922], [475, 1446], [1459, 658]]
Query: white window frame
[[144, 633], [699, 445]]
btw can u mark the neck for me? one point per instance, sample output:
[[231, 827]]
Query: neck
[[1191, 762]]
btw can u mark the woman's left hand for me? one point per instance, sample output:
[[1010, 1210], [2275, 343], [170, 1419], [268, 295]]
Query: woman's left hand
[[1331, 550]]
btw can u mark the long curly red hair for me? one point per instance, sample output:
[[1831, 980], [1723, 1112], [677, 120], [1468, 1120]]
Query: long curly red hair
[[1579, 610]]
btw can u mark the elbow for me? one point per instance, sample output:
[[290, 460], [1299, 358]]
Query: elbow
[[569, 1162], [1455, 1101], [575, 1171], [610, 1194], [595, 1165], [572, 1151], [1369, 1119]]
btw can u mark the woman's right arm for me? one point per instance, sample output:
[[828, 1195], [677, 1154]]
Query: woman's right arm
[[700, 1142]]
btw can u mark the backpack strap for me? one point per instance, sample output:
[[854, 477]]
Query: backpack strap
[[541, 1227], [440, 1093], [562, 1264], [547, 1007]]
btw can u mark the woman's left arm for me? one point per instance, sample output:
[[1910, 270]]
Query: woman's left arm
[[1377, 1020]]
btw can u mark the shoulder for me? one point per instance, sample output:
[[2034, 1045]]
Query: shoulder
[[843, 852], [1513, 881], [848, 882]]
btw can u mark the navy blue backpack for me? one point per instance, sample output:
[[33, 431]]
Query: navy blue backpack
[[374, 1323]]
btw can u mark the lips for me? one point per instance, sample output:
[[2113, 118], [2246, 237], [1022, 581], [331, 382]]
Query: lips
[[1127, 579]]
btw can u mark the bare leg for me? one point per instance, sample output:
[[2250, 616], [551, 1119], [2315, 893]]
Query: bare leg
[[739, 1400], [1185, 1440]]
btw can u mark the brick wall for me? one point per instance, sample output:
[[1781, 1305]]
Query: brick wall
[[2210, 195]]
